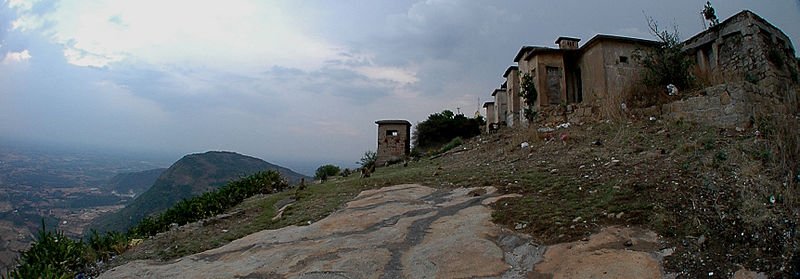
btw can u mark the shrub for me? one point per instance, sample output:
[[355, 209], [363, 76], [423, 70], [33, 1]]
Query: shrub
[[325, 171], [450, 145], [441, 128], [52, 255], [528, 92], [368, 160], [666, 64]]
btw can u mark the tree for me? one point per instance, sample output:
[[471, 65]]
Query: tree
[[325, 171], [441, 128], [666, 64], [528, 92]]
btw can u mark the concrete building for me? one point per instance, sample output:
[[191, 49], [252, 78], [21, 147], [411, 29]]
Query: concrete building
[[394, 141], [514, 107], [593, 74], [500, 105], [490, 115], [745, 47]]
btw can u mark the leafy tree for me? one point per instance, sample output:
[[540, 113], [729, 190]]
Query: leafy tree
[[325, 171], [666, 64], [528, 92], [440, 128]]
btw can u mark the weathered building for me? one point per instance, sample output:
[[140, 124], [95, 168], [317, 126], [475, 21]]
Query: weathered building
[[491, 118], [394, 141], [500, 106], [599, 70], [748, 68], [745, 47], [514, 107]]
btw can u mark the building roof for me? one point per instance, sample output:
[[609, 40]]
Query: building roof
[[504, 85], [497, 90], [400, 122], [537, 50], [604, 37], [522, 52], [562, 38], [508, 71], [488, 104]]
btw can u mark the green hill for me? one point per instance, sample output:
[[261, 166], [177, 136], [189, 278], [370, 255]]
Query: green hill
[[190, 176], [133, 183]]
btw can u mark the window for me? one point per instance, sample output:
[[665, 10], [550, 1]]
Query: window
[[623, 59], [391, 133]]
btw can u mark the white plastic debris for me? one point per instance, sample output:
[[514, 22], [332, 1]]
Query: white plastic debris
[[652, 118], [672, 89], [525, 145], [545, 130], [563, 125]]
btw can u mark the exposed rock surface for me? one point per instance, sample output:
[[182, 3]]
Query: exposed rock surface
[[409, 231]]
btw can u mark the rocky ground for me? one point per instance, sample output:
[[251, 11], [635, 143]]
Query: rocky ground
[[687, 200], [413, 231]]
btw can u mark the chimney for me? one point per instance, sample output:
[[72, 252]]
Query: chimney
[[567, 42]]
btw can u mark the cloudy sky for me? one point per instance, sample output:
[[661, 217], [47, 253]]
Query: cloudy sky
[[299, 83]]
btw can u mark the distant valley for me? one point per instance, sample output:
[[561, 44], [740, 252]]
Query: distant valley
[[70, 191]]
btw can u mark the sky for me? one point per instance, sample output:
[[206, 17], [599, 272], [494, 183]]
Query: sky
[[297, 83]]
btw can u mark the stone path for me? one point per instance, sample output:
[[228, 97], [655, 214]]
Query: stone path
[[411, 231]]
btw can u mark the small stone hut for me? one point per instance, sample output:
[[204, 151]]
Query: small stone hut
[[394, 141]]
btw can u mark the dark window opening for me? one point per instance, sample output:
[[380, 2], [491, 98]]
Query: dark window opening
[[623, 59], [392, 133]]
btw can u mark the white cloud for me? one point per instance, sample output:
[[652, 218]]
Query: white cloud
[[394, 74], [21, 5], [15, 57], [237, 36]]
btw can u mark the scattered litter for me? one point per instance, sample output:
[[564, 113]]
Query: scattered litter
[[563, 125], [739, 129], [597, 142], [652, 118], [520, 226], [672, 89], [554, 171], [525, 145], [545, 130], [621, 106], [224, 231], [772, 199], [577, 219]]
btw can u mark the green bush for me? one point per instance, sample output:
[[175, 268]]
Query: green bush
[[450, 145], [441, 128], [52, 255], [325, 171]]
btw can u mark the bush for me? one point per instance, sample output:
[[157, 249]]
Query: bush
[[52, 255], [441, 128], [450, 145], [528, 92], [325, 171], [368, 160], [667, 64]]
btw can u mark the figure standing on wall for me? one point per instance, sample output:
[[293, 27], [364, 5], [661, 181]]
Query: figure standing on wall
[[710, 14]]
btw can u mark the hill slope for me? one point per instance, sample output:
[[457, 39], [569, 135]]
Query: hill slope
[[190, 176], [716, 196], [133, 183]]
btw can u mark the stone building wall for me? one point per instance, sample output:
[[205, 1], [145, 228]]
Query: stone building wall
[[734, 104], [394, 141]]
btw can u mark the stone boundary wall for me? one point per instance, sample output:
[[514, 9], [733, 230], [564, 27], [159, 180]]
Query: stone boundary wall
[[727, 105]]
